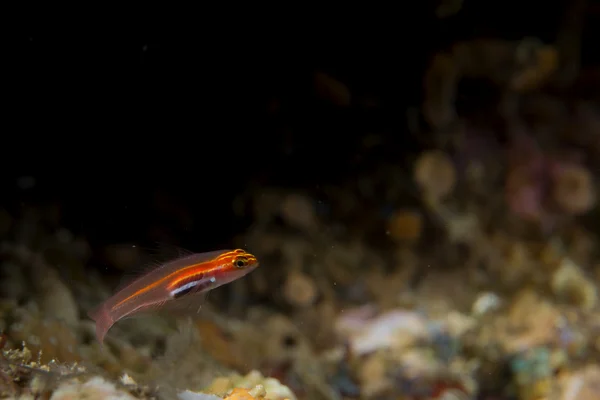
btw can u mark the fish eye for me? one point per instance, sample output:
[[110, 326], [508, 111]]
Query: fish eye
[[239, 262]]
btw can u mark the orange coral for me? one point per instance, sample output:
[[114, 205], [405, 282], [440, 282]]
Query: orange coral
[[574, 189], [435, 174], [241, 394], [405, 225], [245, 394]]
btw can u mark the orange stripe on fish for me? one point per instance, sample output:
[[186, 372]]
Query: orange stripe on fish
[[199, 270], [195, 273]]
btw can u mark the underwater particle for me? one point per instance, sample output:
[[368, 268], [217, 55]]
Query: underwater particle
[[299, 289], [122, 256], [569, 283], [435, 174], [573, 189], [405, 225]]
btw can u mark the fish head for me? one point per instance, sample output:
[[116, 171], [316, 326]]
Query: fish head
[[236, 264]]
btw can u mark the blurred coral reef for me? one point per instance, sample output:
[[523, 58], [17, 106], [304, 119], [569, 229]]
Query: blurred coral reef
[[471, 275]]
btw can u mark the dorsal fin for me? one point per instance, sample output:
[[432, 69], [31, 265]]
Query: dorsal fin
[[151, 258], [159, 256], [164, 252]]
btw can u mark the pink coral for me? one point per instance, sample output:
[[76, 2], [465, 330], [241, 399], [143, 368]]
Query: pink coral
[[540, 186], [526, 181]]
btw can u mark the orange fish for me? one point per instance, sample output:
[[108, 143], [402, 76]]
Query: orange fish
[[185, 277]]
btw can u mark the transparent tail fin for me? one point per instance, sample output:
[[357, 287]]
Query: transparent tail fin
[[103, 322]]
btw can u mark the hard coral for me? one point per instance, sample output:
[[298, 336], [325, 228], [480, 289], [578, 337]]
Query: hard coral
[[541, 186], [435, 174], [252, 386], [573, 189], [244, 394], [95, 388]]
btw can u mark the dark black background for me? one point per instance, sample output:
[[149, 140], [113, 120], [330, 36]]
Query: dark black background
[[105, 110]]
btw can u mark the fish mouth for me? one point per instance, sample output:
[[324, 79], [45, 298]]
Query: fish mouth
[[251, 268]]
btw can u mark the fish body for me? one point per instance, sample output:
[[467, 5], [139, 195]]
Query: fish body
[[176, 280]]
